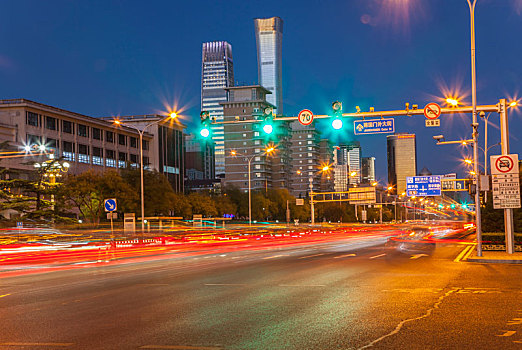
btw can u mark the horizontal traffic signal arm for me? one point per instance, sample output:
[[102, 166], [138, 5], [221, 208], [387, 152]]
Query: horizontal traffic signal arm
[[378, 114]]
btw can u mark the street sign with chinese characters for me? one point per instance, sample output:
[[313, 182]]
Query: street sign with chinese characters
[[374, 126], [505, 181], [432, 122], [422, 186]]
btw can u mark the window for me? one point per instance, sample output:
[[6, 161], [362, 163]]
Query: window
[[109, 136], [122, 139], [310, 161], [68, 151], [122, 158], [97, 154], [83, 130], [256, 133], [33, 140], [50, 123], [134, 159], [309, 136], [133, 142], [309, 142], [110, 158], [244, 135], [31, 118], [257, 159], [96, 134], [310, 167], [257, 142], [309, 154], [145, 144], [83, 153], [67, 127], [146, 162], [257, 166], [52, 144]]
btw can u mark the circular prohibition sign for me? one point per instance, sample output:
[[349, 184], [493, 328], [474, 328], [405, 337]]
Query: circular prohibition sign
[[432, 110], [504, 164]]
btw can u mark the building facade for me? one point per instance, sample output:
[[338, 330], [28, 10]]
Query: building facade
[[402, 160], [245, 140], [167, 145], [269, 39], [368, 169], [199, 159], [84, 142], [217, 73], [348, 161]]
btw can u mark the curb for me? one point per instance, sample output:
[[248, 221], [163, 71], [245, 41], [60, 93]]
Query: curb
[[494, 261]]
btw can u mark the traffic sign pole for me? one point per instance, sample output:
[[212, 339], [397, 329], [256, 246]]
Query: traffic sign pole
[[504, 139]]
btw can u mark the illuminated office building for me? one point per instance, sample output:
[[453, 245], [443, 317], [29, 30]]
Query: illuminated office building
[[402, 160], [269, 37]]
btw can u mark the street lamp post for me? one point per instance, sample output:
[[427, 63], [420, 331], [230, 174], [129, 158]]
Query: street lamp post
[[478, 221], [267, 151], [172, 115]]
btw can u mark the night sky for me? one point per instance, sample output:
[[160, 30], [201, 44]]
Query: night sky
[[106, 57]]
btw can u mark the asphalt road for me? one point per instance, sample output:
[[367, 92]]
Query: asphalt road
[[339, 295]]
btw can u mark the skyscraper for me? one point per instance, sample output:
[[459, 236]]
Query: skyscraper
[[217, 73], [349, 156], [402, 160], [269, 37], [368, 169]]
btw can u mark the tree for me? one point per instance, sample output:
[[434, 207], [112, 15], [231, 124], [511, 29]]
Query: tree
[[158, 193], [224, 205], [202, 204], [181, 206], [87, 191]]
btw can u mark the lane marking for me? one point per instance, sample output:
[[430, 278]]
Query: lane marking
[[311, 256], [274, 256], [376, 256], [180, 347], [506, 334], [302, 285], [4, 295], [36, 344], [225, 284], [469, 253], [462, 253], [416, 256], [344, 256]]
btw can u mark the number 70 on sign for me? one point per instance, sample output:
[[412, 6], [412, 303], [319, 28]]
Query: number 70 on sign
[[305, 117]]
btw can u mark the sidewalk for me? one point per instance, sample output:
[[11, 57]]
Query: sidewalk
[[496, 257]]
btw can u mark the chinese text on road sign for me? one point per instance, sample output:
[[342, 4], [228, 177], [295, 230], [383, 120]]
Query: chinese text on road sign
[[423, 186], [505, 181], [374, 126]]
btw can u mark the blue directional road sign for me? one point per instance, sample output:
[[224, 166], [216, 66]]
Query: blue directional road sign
[[374, 126], [110, 204], [423, 186]]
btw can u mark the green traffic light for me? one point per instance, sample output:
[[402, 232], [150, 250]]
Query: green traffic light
[[205, 132]]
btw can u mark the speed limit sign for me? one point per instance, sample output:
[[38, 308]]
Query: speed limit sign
[[306, 117]]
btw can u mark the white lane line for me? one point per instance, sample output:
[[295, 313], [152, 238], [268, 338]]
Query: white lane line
[[302, 285], [225, 284], [36, 344], [180, 347], [376, 256], [344, 256], [311, 256], [275, 256]]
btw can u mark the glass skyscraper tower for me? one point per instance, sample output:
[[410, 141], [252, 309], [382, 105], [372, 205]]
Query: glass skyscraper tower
[[217, 73], [269, 38]]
